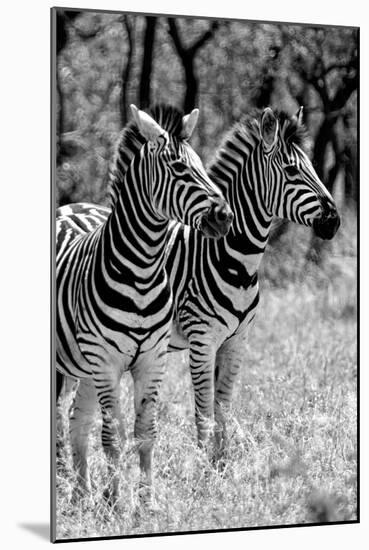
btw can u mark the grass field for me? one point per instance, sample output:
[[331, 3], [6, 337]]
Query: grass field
[[293, 440]]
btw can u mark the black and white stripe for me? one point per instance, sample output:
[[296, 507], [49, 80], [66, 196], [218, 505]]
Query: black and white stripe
[[263, 172], [114, 305]]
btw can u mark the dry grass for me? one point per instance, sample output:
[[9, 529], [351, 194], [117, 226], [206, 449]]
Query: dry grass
[[292, 453]]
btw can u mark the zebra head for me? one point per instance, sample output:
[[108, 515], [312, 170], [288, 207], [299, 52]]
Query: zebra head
[[180, 187], [293, 188]]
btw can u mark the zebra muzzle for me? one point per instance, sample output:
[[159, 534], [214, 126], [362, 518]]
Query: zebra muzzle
[[326, 227], [217, 221]]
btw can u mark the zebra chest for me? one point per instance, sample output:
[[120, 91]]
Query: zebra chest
[[221, 299], [217, 312], [116, 336]]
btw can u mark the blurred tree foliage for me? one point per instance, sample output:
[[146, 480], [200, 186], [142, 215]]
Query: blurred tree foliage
[[226, 68]]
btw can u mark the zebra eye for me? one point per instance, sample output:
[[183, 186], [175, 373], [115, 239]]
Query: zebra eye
[[292, 170], [179, 167]]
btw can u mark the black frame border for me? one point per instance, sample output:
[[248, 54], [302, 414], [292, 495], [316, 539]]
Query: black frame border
[[53, 73]]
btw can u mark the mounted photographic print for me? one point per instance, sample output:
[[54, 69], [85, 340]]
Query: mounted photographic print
[[204, 225]]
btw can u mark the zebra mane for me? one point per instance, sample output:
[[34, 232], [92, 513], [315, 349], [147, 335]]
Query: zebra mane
[[131, 141], [293, 131], [248, 126]]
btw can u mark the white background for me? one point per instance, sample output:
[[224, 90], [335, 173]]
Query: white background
[[24, 283]]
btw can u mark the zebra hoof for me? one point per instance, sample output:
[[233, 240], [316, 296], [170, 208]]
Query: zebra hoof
[[220, 460], [113, 504], [219, 464], [146, 499], [111, 497], [152, 508], [143, 509]]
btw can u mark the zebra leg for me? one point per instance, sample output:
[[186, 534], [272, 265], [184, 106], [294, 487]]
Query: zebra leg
[[68, 386], [81, 417], [229, 359], [107, 386], [147, 375], [202, 360]]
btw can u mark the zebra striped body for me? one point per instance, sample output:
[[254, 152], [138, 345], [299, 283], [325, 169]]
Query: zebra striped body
[[263, 172], [114, 305]]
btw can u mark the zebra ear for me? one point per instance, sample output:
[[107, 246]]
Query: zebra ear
[[269, 128], [299, 116], [150, 129], [188, 124]]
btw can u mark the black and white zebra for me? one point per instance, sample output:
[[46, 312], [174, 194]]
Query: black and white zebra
[[114, 305], [263, 172]]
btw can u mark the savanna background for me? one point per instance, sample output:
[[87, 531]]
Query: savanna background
[[293, 446]]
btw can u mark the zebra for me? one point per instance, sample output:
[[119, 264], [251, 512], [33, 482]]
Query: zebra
[[113, 300], [263, 172]]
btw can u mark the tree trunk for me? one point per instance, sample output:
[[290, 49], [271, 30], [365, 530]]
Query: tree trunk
[[62, 19], [263, 95], [126, 72], [320, 147], [59, 122], [350, 165], [192, 86], [351, 173], [144, 92]]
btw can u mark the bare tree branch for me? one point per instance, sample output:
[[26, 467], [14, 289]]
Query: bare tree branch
[[204, 38], [187, 55], [173, 31]]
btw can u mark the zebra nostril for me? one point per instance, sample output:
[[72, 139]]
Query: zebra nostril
[[221, 214], [327, 225], [330, 214], [329, 210]]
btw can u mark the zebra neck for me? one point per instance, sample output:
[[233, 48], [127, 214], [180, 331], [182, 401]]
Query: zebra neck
[[246, 242], [133, 240], [239, 255], [237, 171]]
